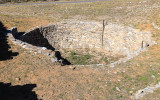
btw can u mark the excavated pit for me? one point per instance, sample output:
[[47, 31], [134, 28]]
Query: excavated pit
[[110, 38]]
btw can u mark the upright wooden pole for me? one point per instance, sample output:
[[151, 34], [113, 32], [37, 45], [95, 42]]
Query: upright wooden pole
[[142, 45], [103, 32]]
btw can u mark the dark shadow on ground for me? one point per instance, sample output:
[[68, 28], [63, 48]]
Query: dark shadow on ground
[[5, 53], [18, 92], [61, 59]]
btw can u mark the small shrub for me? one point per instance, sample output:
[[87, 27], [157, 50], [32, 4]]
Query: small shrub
[[79, 59], [143, 78], [158, 91], [73, 53], [82, 59], [106, 60]]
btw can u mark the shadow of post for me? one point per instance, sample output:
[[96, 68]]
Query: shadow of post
[[18, 92], [5, 53]]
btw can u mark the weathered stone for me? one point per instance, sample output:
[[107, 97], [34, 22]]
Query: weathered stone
[[24, 46], [44, 48], [130, 92], [17, 79], [148, 89], [118, 89], [39, 51], [83, 34], [153, 76], [51, 54], [14, 32], [54, 60]]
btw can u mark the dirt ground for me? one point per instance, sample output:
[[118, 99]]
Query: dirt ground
[[55, 82], [35, 77]]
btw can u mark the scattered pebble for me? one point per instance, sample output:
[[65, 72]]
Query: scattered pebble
[[153, 76], [54, 60], [118, 89], [44, 48], [130, 92], [148, 89], [17, 79], [24, 46], [74, 68], [115, 72]]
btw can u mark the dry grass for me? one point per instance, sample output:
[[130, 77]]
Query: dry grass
[[119, 11], [91, 83]]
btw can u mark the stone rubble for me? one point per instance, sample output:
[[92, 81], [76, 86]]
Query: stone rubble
[[117, 39], [33, 49], [118, 89], [85, 34], [155, 26], [148, 89]]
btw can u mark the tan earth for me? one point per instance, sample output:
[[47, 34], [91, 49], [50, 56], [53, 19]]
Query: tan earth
[[48, 81]]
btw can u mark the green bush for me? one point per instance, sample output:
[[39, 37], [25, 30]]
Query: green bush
[[106, 60]]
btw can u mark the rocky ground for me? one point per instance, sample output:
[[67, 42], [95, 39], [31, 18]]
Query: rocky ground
[[79, 82], [35, 77]]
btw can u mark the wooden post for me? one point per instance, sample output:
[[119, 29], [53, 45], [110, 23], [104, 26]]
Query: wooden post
[[142, 45], [103, 32]]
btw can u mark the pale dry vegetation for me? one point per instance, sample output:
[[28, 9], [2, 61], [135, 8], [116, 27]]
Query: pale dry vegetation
[[85, 82]]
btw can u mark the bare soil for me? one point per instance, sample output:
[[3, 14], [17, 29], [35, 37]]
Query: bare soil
[[55, 82]]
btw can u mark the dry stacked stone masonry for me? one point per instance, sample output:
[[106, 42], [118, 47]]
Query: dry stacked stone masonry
[[37, 36], [54, 55], [83, 34]]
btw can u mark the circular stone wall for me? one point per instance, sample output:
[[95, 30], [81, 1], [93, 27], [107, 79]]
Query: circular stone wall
[[83, 34]]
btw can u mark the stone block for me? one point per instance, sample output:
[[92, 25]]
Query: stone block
[[14, 32]]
